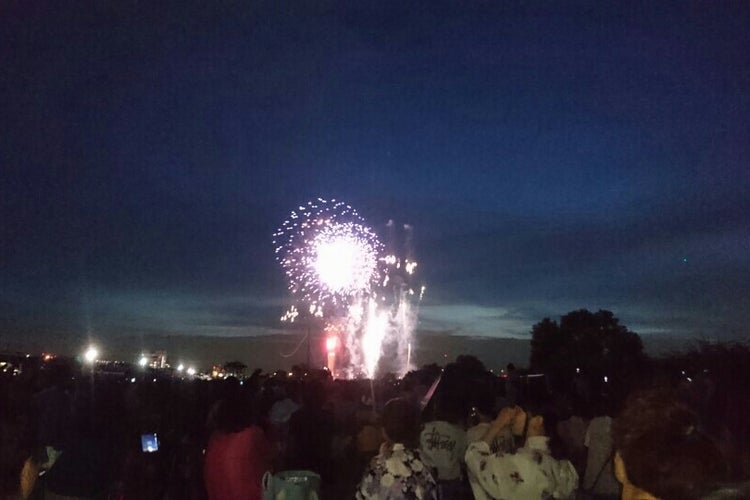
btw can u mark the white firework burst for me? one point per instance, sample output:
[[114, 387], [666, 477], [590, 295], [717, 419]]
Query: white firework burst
[[328, 254]]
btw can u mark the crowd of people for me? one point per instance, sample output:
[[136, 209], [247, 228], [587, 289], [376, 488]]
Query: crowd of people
[[454, 433]]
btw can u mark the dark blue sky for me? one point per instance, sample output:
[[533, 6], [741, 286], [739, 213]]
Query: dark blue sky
[[549, 158]]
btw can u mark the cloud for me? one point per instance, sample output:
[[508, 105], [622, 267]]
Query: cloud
[[473, 320], [680, 267], [152, 311]]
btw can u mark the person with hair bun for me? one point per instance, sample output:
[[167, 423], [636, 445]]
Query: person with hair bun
[[661, 453]]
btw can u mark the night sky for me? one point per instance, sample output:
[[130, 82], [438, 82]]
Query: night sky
[[548, 158]]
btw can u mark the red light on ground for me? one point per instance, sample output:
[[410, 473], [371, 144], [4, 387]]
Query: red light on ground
[[331, 343]]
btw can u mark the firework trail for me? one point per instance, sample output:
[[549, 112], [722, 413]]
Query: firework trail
[[399, 298]]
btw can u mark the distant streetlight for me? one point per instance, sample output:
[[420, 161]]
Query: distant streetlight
[[180, 367], [91, 354], [143, 361], [191, 371]]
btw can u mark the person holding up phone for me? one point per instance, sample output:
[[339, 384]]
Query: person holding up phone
[[535, 471]]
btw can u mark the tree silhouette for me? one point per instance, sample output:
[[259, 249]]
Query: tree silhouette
[[587, 344], [470, 364], [236, 368]]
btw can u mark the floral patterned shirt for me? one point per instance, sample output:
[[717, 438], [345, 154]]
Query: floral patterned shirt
[[396, 474], [529, 474]]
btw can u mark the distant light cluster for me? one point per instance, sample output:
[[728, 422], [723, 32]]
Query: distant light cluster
[[328, 254]]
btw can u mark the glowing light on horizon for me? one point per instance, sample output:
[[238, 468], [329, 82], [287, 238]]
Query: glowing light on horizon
[[91, 354]]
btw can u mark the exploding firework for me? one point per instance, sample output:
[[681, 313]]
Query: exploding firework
[[338, 271], [329, 255]]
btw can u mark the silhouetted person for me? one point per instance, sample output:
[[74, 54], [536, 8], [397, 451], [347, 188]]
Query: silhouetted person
[[599, 477], [311, 430], [238, 453], [18, 469], [661, 451]]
